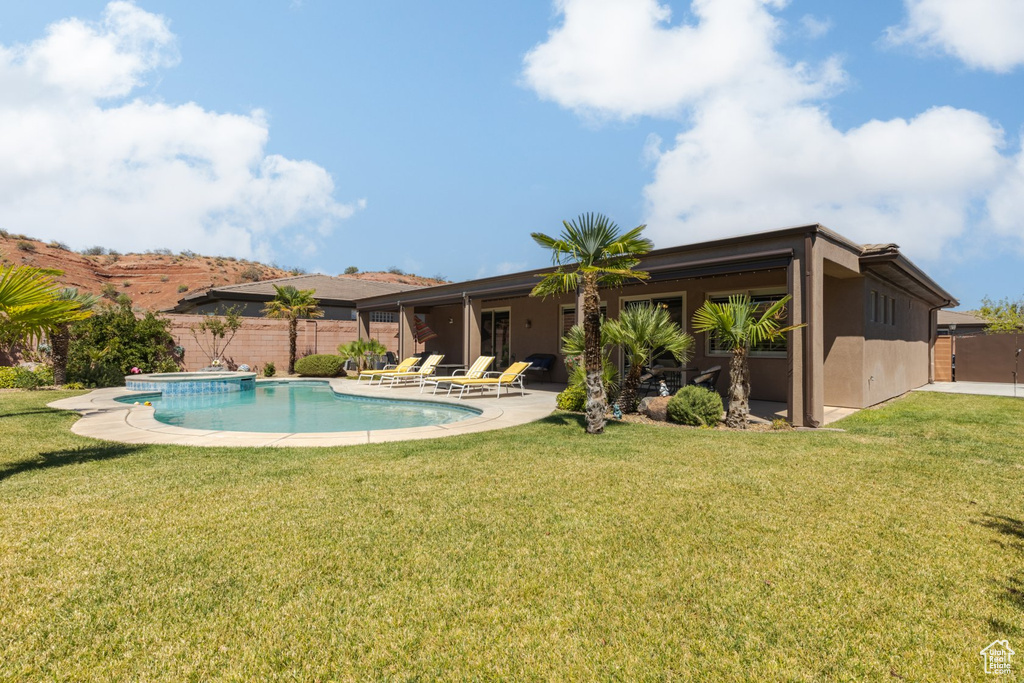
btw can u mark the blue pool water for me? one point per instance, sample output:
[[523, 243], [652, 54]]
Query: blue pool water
[[293, 407]]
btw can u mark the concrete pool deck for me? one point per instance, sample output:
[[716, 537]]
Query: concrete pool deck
[[105, 418]]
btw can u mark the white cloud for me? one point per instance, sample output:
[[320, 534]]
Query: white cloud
[[623, 58], [739, 171], [984, 34], [1006, 203], [81, 164], [759, 151], [814, 27]]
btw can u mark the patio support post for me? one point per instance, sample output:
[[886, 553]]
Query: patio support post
[[363, 325], [406, 325], [814, 335], [794, 357], [471, 310]]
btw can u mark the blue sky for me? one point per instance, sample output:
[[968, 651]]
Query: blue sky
[[434, 137]]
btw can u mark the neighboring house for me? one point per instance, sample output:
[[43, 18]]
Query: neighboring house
[[960, 323], [869, 315], [337, 296]]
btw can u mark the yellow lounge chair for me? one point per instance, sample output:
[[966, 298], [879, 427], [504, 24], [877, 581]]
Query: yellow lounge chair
[[475, 371], [426, 369], [406, 365], [509, 378]]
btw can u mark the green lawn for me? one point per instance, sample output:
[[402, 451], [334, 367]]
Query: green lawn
[[894, 551]]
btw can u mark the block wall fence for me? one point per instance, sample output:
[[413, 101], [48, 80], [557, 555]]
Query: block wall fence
[[261, 339]]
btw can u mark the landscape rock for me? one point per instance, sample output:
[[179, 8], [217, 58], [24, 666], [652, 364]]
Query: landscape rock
[[655, 407]]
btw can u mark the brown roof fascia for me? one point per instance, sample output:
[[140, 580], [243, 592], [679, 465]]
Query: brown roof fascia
[[908, 268]]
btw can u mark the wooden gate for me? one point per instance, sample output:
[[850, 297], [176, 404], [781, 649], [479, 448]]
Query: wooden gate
[[943, 359]]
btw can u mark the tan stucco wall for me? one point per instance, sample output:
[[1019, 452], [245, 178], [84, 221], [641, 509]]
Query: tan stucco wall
[[897, 357], [843, 311], [988, 358]]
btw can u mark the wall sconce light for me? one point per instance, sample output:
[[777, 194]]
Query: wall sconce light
[[451, 320], [529, 323]]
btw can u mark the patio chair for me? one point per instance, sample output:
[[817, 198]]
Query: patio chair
[[540, 363], [509, 378], [707, 378], [475, 371], [428, 367], [406, 365]]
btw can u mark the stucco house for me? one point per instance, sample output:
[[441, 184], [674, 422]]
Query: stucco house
[[336, 296], [869, 315]]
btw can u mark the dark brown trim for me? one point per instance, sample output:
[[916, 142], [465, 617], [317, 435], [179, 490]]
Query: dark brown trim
[[808, 300]]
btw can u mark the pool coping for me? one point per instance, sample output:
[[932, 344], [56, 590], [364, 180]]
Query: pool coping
[[103, 417]]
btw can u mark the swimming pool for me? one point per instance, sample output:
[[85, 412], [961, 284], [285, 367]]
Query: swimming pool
[[296, 407]]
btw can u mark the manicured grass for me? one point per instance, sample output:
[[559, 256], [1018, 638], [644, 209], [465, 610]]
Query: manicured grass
[[893, 551]]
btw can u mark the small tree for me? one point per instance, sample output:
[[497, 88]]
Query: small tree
[[1003, 315], [573, 348], [214, 333], [291, 304], [60, 333], [643, 331], [590, 253], [365, 352], [737, 327]]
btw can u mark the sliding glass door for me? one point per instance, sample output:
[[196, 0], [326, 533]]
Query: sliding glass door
[[496, 336]]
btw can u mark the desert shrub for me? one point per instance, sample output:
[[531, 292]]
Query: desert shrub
[[781, 424], [94, 251], [126, 283], [269, 369], [74, 385], [26, 246], [351, 270], [108, 291], [395, 270], [251, 274], [573, 398], [165, 278], [695, 406], [320, 365], [105, 347], [54, 244], [182, 288], [189, 254], [23, 378]]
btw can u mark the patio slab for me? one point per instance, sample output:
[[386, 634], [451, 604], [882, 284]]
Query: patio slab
[[978, 388], [105, 418]]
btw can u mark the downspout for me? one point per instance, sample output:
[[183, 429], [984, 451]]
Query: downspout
[[810, 319]]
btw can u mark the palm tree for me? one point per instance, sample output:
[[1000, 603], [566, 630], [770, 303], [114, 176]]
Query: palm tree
[[736, 326], [60, 332], [363, 351], [642, 331], [291, 304], [29, 305], [573, 345], [591, 253]]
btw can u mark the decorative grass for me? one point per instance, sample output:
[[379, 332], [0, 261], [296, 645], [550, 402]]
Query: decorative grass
[[890, 552]]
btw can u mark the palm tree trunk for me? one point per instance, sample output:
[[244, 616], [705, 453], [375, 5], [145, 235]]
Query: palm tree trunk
[[739, 390], [628, 399], [596, 403], [293, 334], [60, 341]]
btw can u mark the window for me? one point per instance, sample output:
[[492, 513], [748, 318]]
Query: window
[[873, 307], [568, 318], [892, 311], [770, 348], [383, 317], [674, 303]]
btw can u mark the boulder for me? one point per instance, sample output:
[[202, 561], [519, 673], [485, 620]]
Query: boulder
[[655, 407]]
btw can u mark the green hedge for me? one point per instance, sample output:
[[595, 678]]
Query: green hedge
[[695, 406], [23, 378], [320, 365], [573, 397]]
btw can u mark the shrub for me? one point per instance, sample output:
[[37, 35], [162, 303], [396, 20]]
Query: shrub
[[695, 406], [320, 365], [573, 398], [108, 291], [395, 270], [182, 288], [351, 270], [269, 369], [23, 378], [54, 244], [106, 346], [251, 274], [165, 278], [94, 251], [26, 246]]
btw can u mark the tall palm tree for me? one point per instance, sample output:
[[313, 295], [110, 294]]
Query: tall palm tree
[[60, 332], [29, 305], [291, 304], [736, 326], [642, 331], [591, 253]]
